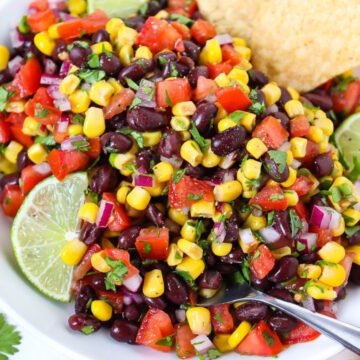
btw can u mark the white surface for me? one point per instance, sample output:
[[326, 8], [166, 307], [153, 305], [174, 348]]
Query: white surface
[[47, 320]]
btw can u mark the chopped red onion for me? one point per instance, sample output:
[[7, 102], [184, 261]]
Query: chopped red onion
[[285, 146], [63, 123], [56, 5], [104, 213], [65, 16], [224, 39], [50, 67], [325, 217], [309, 240], [212, 98], [174, 161], [202, 344], [86, 86], [54, 92], [65, 68], [63, 104], [144, 180], [309, 303], [133, 283], [214, 181], [15, 64], [228, 161], [229, 176], [127, 300], [42, 168], [146, 93], [136, 298], [269, 234], [295, 164], [73, 143], [272, 108], [305, 226], [180, 315], [142, 170], [16, 39], [47, 79], [219, 230], [220, 207], [247, 236]]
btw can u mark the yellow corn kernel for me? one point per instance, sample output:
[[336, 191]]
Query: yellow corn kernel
[[106, 244], [221, 113], [256, 147], [98, 262], [244, 51], [332, 252], [272, 93], [73, 69], [157, 189], [37, 153], [203, 208], [245, 65], [122, 193], [79, 101], [354, 249], [116, 85], [6, 167], [101, 310], [338, 169], [15, 106], [207, 293], [188, 230], [126, 54], [309, 271], [126, 36], [185, 135], [271, 182], [252, 169], [162, 14], [113, 26], [194, 267], [77, 7], [143, 52], [225, 124], [185, 108], [281, 252], [291, 179], [352, 217], [180, 123], [298, 146], [211, 53], [340, 229], [101, 47], [320, 291], [255, 222], [190, 151], [326, 125], [294, 108], [191, 249], [222, 80], [4, 57], [44, 43], [292, 197], [221, 249], [221, 343], [210, 159], [239, 334], [74, 130], [227, 191], [163, 171], [316, 134], [151, 138], [177, 216], [238, 74], [332, 274], [248, 121], [294, 93], [88, 212], [199, 320], [12, 151], [289, 157], [153, 286], [175, 255], [72, 252], [69, 84], [324, 145], [54, 32], [94, 123], [30, 126], [101, 92], [138, 198], [239, 41]]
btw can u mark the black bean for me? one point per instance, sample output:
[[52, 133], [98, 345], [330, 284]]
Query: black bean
[[341, 294], [236, 256], [135, 22], [251, 311], [284, 119], [224, 175], [10, 179], [145, 157], [132, 312], [145, 119], [60, 49], [164, 57], [84, 298], [191, 50], [319, 305], [203, 116], [117, 122], [197, 15], [210, 279], [354, 239], [228, 141], [113, 142], [195, 73], [126, 239], [355, 274], [187, 61], [278, 172], [281, 223], [124, 331], [197, 172], [170, 143], [282, 323], [284, 98], [90, 233], [308, 258], [98, 281], [153, 8], [284, 269], [155, 215], [162, 266], [105, 179], [210, 258], [225, 268], [260, 96], [78, 321], [134, 71], [282, 294], [158, 303], [261, 284], [79, 55], [175, 289], [232, 228], [100, 36], [323, 101], [110, 64], [23, 160], [5, 76], [322, 165], [257, 78]]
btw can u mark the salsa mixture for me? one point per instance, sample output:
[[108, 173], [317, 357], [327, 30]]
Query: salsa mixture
[[200, 170]]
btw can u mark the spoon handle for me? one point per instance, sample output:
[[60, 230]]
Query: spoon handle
[[346, 334]]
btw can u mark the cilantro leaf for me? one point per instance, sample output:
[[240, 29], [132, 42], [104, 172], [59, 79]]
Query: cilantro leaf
[[213, 353], [87, 330], [187, 278], [195, 196], [236, 116], [4, 96], [342, 85], [116, 275], [9, 338], [91, 76], [350, 231], [137, 101], [218, 317], [245, 269], [355, 172], [268, 338], [82, 44], [94, 61], [147, 247], [198, 138], [167, 341], [168, 100], [300, 246], [177, 176], [295, 223], [135, 134], [45, 140], [279, 158], [182, 19], [131, 84]]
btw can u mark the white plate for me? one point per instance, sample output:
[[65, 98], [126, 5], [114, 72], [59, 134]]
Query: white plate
[[48, 319]]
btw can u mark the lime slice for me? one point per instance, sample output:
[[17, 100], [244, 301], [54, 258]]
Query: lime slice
[[347, 140], [45, 222], [116, 8]]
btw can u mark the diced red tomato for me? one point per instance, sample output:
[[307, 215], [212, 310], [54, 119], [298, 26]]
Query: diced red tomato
[[39, 5], [301, 210], [30, 178], [16, 119], [4, 132], [74, 28], [270, 198], [19, 136], [85, 265], [41, 21], [116, 300], [179, 193], [231, 55], [299, 126], [155, 326], [157, 35], [124, 256], [185, 7], [260, 341], [262, 261], [302, 185], [95, 147], [183, 337], [153, 243], [205, 88], [347, 100], [171, 92], [65, 162], [300, 334], [202, 31], [59, 136], [312, 150], [271, 132], [324, 235], [233, 98], [119, 103], [183, 30], [11, 199], [221, 319], [120, 219], [217, 69], [27, 80]]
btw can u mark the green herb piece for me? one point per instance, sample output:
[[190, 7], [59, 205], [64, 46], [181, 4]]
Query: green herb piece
[[87, 330], [78, 119], [270, 217], [243, 161], [236, 116], [4, 96], [137, 101], [204, 244], [257, 108], [182, 19], [279, 157], [162, 61], [45, 140], [116, 275], [185, 306], [218, 317], [177, 176], [336, 194], [325, 263], [256, 255], [147, 247], [135, 134], [245, 268], [355, 172], [238, 277], [82, 44], [287, 282], [350, 231], [81, 145], [167, 341], [213, 353], [295, 223], [92, 196], [8, 200], [24, 26], [198, 138], [187, 278], [94, 61], [173, 70], [345, 190], [195, 196], [199, 356], [178, 256], [342, 85], [275, 197], [91, 76], [304, 172], [268, 338], [131, 84], [9, 339], [300, 246], [168, 100]]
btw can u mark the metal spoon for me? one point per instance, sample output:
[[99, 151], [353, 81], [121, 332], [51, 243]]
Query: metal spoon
[[346, 334]]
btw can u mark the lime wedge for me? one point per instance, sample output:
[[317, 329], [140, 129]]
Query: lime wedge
[[347, 140], [116, 8], [45, 222]]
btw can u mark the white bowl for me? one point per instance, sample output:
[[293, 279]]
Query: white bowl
[[48, 319]]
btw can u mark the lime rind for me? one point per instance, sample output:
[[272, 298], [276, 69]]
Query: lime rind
[[45, 222], [116, 8]]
